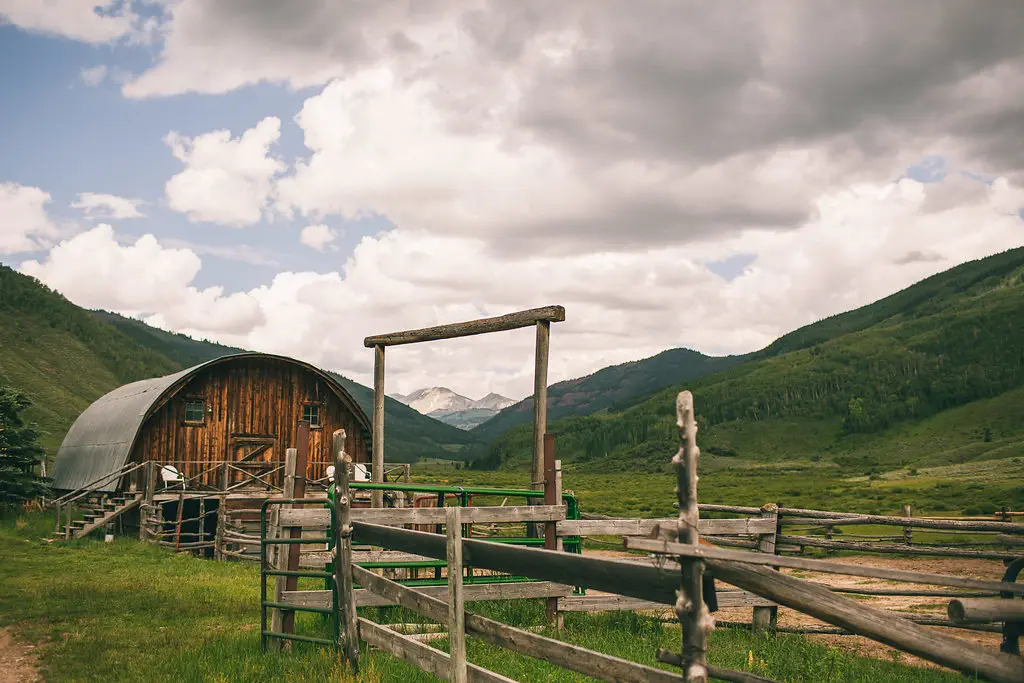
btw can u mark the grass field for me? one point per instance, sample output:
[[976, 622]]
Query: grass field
[[126, 611]]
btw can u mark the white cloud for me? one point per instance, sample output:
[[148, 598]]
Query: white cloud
[[319, 236], [93, 75], [24, 223], [143, 279], [226, 180], [89, 21], [97, 206]]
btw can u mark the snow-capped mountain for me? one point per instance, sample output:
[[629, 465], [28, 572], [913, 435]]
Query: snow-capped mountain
[[455, 409]]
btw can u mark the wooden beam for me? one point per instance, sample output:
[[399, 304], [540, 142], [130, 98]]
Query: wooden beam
[[540, 403], [511, 321], [456, 603], [419, 654], [986, 610], [377, 439], [473, 592], [824, 566], [612, 603], [493, 514], [752, 526], [573, 657]]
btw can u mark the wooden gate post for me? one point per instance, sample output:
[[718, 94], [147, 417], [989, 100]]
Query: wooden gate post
[[343, 554], [766, 618], [693, 614], [280, 560], [456, 603]]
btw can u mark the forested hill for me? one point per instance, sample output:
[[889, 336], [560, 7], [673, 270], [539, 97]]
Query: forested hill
[[613, 388], [949, 340], [65, 357]]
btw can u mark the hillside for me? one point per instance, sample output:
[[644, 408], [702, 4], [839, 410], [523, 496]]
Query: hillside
[[840, 389], [65, 357], [612, 388]]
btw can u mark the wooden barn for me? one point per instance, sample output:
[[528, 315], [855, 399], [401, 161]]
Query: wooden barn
[[221, 427]]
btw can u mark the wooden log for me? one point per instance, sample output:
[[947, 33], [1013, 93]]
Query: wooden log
[[986, 610], [611, 603], [737, 509], [824, 566], [669, 657], [456, 604], [765, 619], [911, 593], [419, 654], [540, 400], [693, 614], [819, 602], [901, 549], [313, 518], [645, 527], [474, 592], [1010, 540], [573, 657], [918, 522], [511, 321], [349, 634], [377, 443]]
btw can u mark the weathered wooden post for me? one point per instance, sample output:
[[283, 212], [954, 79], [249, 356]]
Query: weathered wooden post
[[281, 557], [694, 617], [343, 553], [552, 496], [765, 618], [456, 603], [908, 531], [218, 537], [540, 401], [291, 552], [377, 466]]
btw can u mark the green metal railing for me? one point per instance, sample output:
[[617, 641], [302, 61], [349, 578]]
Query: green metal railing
[[332, 612]]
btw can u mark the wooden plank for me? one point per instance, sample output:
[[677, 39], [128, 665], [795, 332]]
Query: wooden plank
[[419, 654], [753, 526], [611, 603], [314, 518], [918, 522], [573, 657], [456, 603], [472, 592], [817, 601], [986, 610], [825, 566], [363, 556], [511, 321]]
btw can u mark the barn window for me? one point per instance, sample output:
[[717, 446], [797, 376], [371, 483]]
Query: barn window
[[311, 414], [195, 411]]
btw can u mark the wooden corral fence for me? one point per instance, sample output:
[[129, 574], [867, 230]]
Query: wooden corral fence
[[672, 575]]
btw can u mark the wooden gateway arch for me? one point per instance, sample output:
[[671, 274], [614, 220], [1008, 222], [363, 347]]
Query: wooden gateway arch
[[541, 318]]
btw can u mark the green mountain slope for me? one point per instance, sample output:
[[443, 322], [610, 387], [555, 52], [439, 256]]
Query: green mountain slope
[[846, 387], [65, 357], [612, 388]]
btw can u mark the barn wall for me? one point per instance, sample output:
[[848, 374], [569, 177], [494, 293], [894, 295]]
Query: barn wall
[[247, 400]]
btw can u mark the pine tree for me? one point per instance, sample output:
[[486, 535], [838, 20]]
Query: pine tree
[[20, 452]]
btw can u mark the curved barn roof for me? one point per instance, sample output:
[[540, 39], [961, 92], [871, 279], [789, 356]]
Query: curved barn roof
[[100, 441]]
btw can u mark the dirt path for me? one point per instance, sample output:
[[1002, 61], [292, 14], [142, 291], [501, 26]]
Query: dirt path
[[931, 606], [17, 660]]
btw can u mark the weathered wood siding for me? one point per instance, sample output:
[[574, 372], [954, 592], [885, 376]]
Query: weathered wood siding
[[249, 403]]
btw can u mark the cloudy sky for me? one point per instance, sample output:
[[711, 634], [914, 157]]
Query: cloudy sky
[[292, 177]]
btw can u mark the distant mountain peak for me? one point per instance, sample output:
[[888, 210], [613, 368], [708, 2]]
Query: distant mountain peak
[[448, 406]]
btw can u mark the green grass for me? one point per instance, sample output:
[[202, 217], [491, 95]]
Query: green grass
[[126, 611]]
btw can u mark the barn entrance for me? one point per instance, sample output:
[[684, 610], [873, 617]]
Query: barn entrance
[[254, 462]]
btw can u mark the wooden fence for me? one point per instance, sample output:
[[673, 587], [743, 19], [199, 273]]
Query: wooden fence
[[672, 575]]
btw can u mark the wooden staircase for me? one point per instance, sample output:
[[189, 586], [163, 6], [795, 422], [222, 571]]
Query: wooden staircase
[[100, 511]]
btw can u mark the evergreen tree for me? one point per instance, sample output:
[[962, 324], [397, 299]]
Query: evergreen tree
[[20, 452]]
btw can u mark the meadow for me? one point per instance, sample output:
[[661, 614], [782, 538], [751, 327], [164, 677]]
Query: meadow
[[126, 611]]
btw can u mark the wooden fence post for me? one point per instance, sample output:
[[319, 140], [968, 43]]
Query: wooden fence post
[[908, 531], [281, 556], [218, 537], [765, 618], [377, 445], [456, 604], [559, 616], [552, 496], [693, 614], [291, 552], [343, 553]]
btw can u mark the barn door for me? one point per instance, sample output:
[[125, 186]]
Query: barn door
[[253, 463]]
